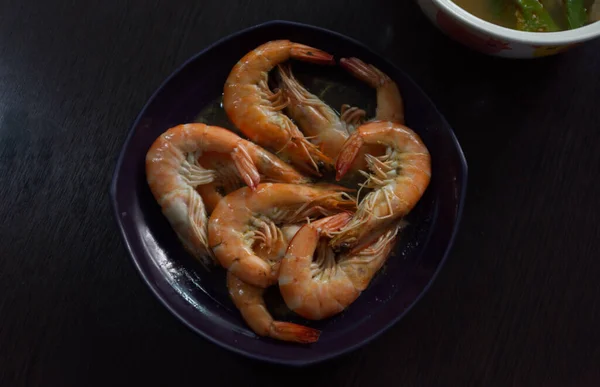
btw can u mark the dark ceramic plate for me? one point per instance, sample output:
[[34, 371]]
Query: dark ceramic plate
[[199, 298]]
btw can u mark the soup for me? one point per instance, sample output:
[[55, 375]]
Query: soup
[[535, 15]]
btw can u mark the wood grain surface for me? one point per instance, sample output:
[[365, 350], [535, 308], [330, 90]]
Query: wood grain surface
[[517, 304]]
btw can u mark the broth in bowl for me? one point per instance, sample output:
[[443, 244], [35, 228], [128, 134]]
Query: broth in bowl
[[535, 15]]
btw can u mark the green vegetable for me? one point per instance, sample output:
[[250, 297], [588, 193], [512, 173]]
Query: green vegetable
[[576, 15], [533, 17]]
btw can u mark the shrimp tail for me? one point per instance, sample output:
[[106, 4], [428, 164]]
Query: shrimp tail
[[245, 166], [311, 55], [362, 71], [293, 332], [348, 154]]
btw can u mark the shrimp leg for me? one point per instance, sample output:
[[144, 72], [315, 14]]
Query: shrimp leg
[[319, 122]]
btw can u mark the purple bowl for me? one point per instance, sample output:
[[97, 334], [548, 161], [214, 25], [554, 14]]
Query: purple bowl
[[199, 298]]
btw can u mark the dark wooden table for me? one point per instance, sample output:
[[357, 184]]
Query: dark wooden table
[[517, 304]]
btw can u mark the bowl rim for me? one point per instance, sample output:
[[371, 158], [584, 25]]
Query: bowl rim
[[577, 35], [114, 189]]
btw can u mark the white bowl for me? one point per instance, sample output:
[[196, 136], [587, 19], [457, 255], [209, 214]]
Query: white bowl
[[493, 39]]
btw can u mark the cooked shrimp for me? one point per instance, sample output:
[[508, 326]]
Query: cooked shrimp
[[245, 218], [398, 179], [319, 122], [251, 304], [173, 173], [249, 299], [321, 288], [257, 111], [390, 106]]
